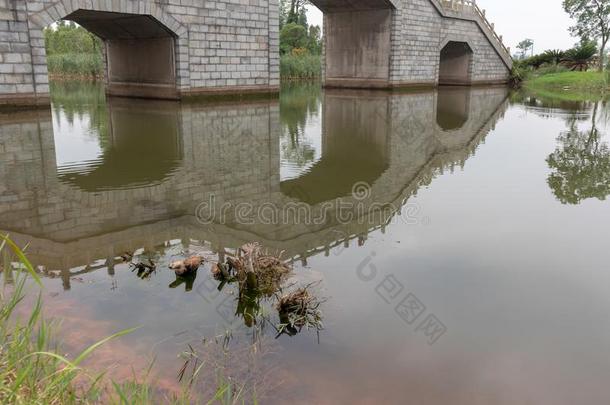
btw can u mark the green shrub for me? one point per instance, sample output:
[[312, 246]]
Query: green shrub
[[292, 36], [81, 64], [67, 37], [303, 66], [518, 74]]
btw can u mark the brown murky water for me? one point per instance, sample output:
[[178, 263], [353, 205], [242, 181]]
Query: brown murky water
[[459, 238]]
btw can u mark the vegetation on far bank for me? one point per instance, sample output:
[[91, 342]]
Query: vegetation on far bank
[[73, 51], [299, 67], [300, 43], [75, 65], [556, 71], [571, 69]]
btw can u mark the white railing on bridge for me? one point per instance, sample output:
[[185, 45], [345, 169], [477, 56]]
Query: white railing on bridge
[[471, 7]]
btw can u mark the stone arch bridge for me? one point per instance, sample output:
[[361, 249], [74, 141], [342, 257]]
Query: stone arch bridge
[[176, 48]]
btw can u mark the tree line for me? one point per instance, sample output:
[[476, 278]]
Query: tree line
[[579, 58], [72, 50], [591, 26]]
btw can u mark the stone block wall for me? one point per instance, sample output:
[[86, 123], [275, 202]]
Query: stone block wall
[[420, 31], [487, 66], [16, 70]]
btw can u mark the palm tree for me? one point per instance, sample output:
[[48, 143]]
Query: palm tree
[[554, 56], [580, 57]]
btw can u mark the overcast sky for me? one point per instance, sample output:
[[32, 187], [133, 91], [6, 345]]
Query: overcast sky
[[544, 21]]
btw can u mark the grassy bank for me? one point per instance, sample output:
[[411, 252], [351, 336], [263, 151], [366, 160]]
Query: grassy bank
[[33, 369], [584, 82]]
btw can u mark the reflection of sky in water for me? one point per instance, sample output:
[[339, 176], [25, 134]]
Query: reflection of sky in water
[[309, 138], [78, 144]]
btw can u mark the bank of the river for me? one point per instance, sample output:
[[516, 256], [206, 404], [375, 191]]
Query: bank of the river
[[580, 85], [35, 370]]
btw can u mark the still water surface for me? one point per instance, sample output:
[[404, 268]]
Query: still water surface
[[483, 278]]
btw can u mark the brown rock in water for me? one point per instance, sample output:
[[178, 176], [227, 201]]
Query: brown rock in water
[[216, 271], [189, 265], [193, 262]]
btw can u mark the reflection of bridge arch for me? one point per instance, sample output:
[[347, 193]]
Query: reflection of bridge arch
[[354, 148], [452, 108], [69, 228], [142, 146]]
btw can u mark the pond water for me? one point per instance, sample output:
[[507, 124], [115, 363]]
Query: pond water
[[458, 239]]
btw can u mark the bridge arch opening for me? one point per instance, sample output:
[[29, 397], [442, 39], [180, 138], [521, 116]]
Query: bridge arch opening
[[139, 52], [455, 67]]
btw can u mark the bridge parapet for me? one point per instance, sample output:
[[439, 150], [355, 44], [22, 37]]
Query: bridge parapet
[[469, 9]]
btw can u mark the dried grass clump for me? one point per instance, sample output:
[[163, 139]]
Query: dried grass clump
[[299, 309], [254, 269]]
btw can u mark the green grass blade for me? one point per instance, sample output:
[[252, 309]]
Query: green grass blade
[[24, 260], [94, 346], [68, 363], [219, 394], [120, 392]]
